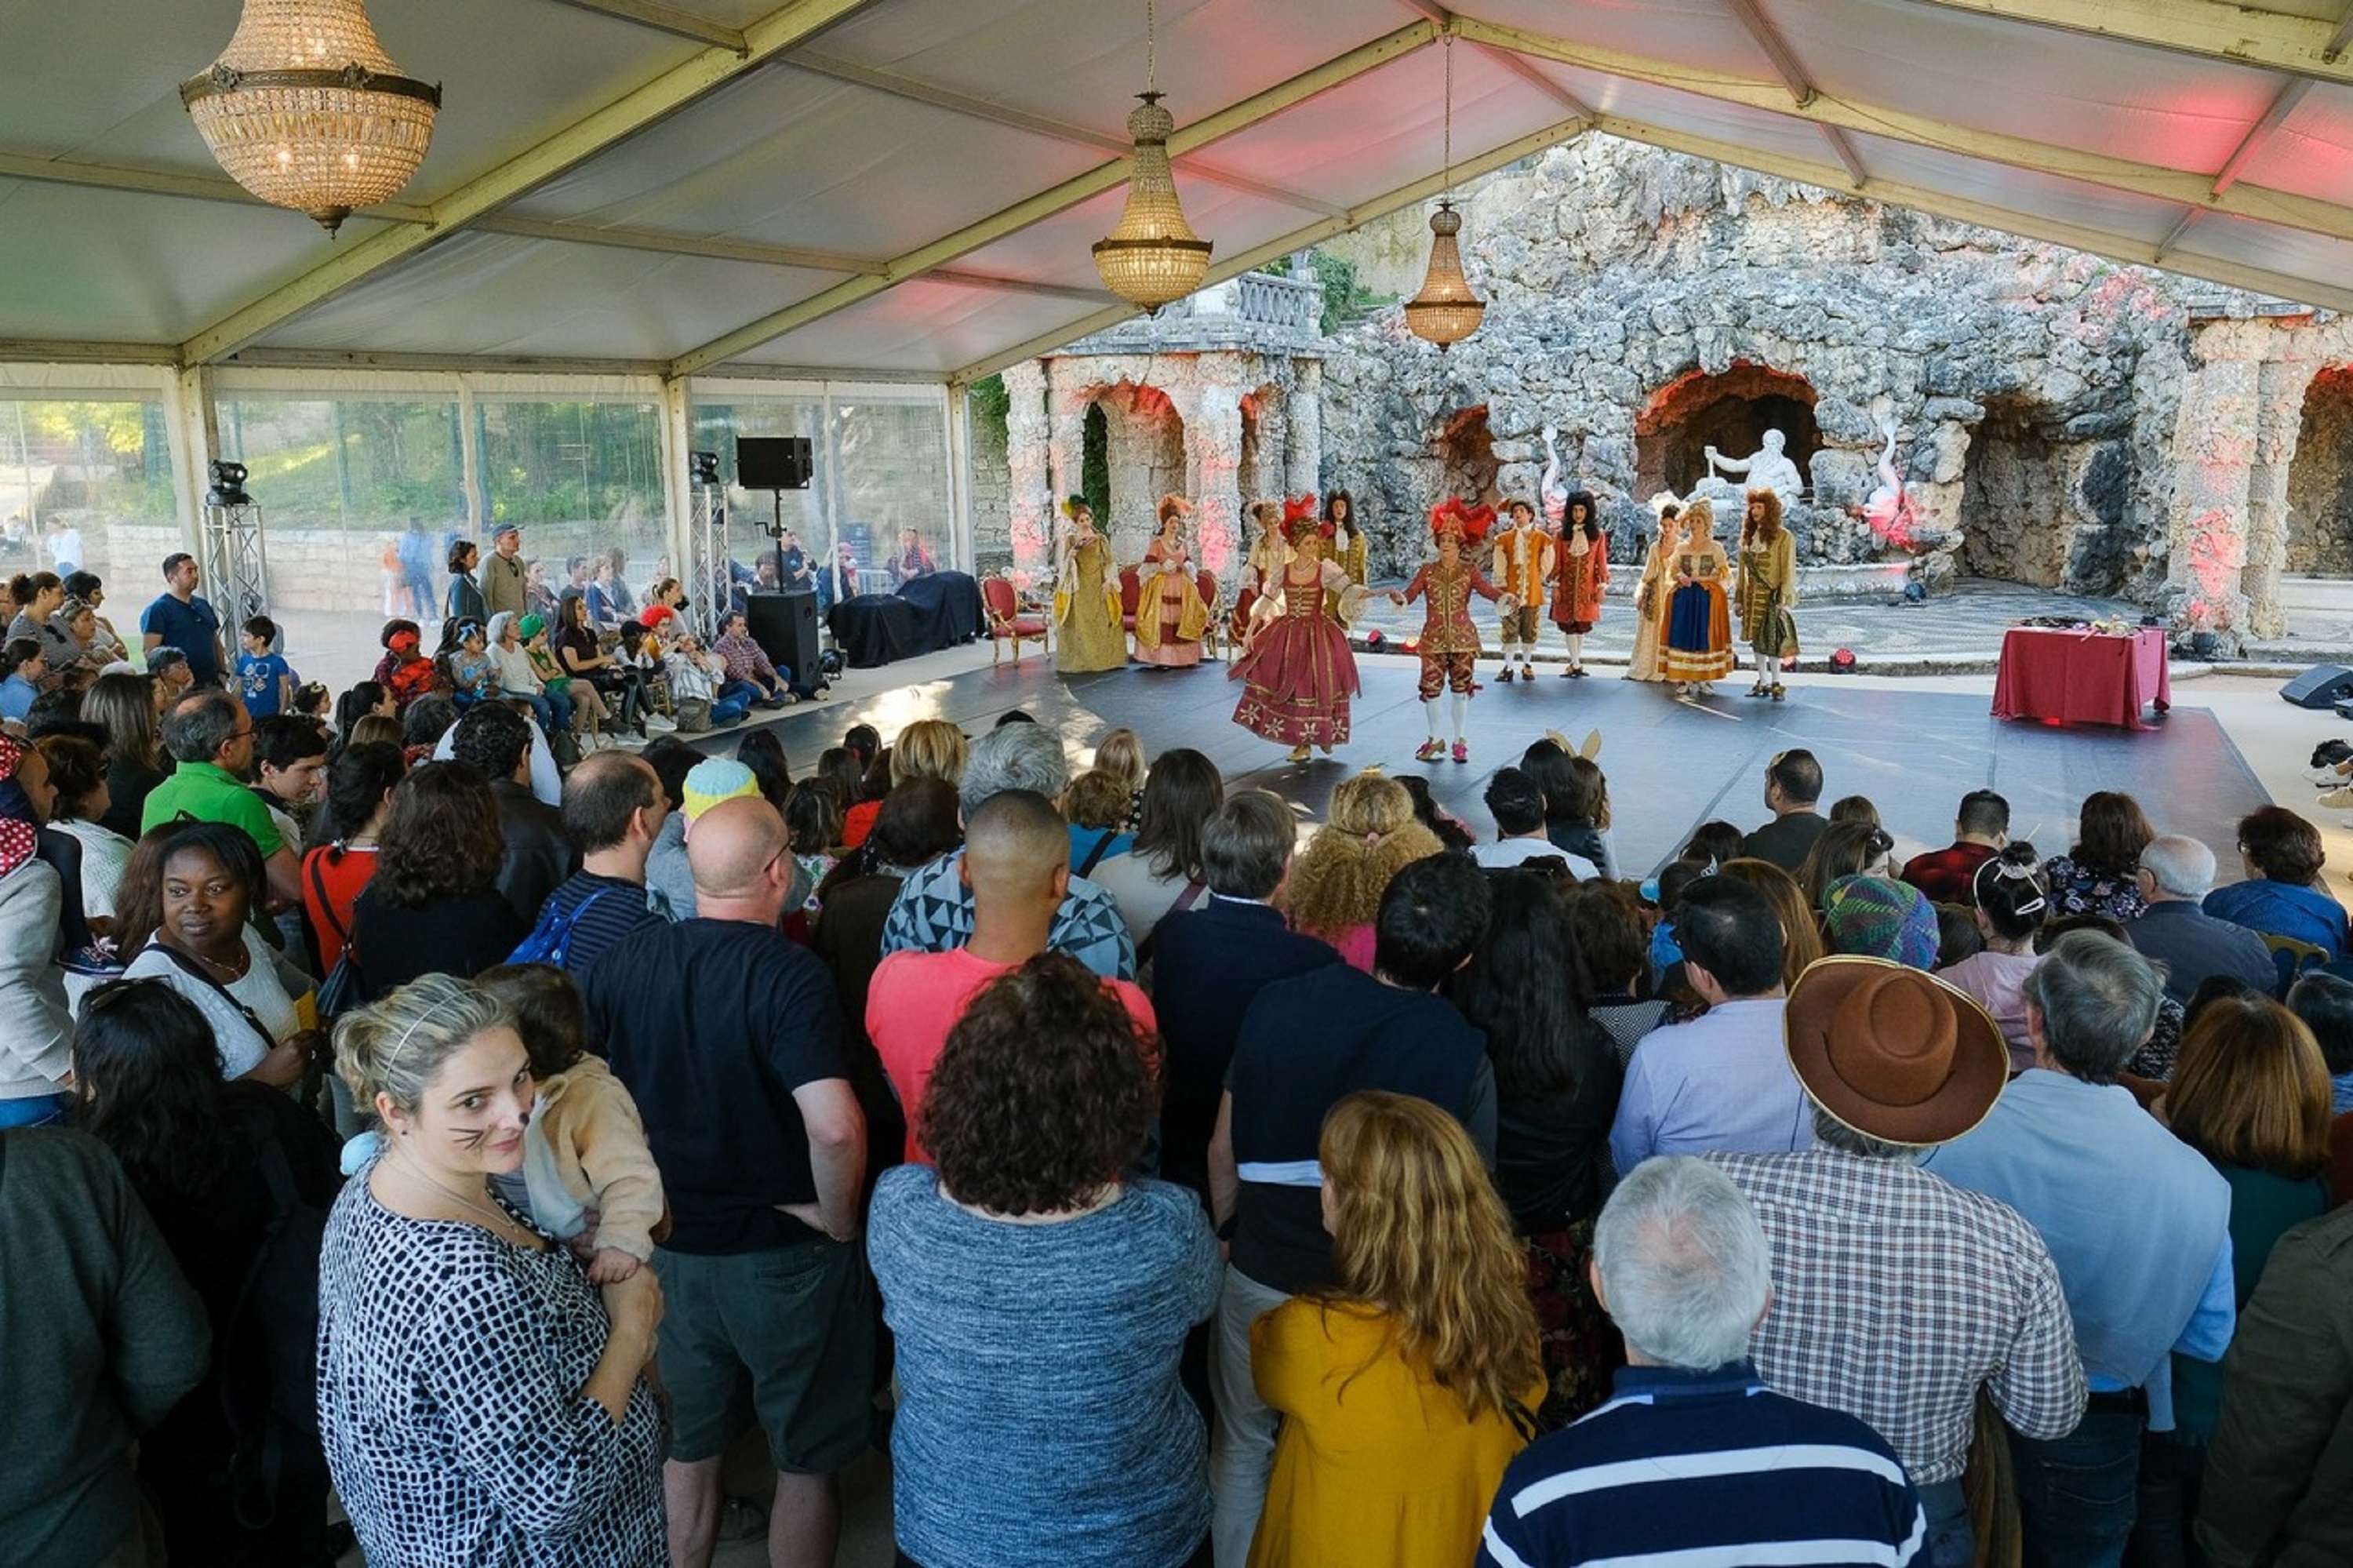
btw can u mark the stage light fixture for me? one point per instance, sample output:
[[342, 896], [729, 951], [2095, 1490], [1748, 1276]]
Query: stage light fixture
[[228, 484]]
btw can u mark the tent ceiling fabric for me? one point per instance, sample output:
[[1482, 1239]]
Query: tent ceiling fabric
[[909, 187]]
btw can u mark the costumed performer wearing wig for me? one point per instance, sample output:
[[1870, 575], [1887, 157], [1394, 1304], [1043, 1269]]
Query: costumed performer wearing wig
[[1347, 546], [1654, 598], [1699, 620], [1169, 616], [1268, 555], [1523, 563], [1450, 642], [1768, 586], [1088, 635], [1297, 674], [1580, 557]]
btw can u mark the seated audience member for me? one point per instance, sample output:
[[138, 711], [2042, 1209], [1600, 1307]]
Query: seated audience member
[[210, 740], [1040, 1420], [1896, 1295], [728, 1038], [535, 856], [2324, 1002], [2100, 874], [1793, 786], [1517, 806], [933, 910], [359, 782], [1577, 802], [1843, 849], [236, 1177], [1162, 871], [169, 677], [614, 809], [2154, 1060], [1096, 805], [34, 1045], [2187, 943], [2281, 896], [2251, 1094], [188, 897], [405, 671], [101, 1337], [1801, 931], [290, 770], [1404, 1389], [813, 831], [1609, 969], [1696, 1459], [1715, 843], [1557, 1082], [669, 880], [1948, 875], [746, 662], [1675, 878], [1958, 937], [916, 825], [1210, 962], [588, 1178], [1306, 1044], [134, 748], [2134, 1220], [927, 748], [1017, 862], [23, 670], [1121, 752], [540, 1437], [77, 779], [763, 754], [433, 905], [2279, 1473], [1337, 880], [1871, 918], [1721, 1082], [521, 681], [2011, 905], [1449, 828]]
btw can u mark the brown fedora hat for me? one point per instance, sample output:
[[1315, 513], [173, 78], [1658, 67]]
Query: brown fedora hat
[[1894, 1053]]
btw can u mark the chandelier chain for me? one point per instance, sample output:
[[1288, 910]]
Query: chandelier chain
[[1447, 165], [1150, 50]]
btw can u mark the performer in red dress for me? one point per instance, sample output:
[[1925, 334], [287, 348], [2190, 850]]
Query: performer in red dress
[[1298, 674], [1450, 642]]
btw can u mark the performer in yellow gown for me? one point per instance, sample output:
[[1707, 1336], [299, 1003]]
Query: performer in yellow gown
[[1657, 586], [1169, 615], [1088, 635]]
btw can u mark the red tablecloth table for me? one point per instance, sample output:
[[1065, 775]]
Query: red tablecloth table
[[2082, 677]]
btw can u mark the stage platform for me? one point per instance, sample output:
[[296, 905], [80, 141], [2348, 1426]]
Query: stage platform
[[1671, 765]]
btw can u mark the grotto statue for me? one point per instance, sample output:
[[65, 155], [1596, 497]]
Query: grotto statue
[[1768, 470]]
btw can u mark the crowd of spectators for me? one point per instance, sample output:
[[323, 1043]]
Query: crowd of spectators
[[1161, 1179]]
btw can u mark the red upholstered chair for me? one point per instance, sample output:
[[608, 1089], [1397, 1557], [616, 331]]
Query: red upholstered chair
[[1008, 617], [1205, 581], [1131, 594]]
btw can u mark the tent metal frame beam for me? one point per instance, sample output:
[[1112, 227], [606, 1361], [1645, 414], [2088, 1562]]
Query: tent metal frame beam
[[660, 18], [62, 351], [1421, 190], [1796, 78], [170, 183], [2203, 29], [2181, 188], [971, 108], [1311, 83], [653, 101]]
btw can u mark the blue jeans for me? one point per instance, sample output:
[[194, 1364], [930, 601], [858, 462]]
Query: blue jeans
[[558, 717], [1952, 1544], [33, 1110], [733, 701], [2075, 1494]]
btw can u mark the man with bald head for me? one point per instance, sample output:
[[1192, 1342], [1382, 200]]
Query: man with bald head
[[1016, 867], [730, 1040]]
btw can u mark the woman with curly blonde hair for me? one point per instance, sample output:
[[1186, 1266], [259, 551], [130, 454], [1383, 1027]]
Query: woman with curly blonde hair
[[1336, 883], [1408, 1389]]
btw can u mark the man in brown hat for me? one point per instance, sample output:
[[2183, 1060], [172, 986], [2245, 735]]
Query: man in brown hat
[[1897, 1295]]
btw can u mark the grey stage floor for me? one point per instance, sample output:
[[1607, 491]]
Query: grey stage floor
[[1671, 765]]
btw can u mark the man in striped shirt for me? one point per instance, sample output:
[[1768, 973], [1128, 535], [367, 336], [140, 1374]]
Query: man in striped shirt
[[1695, 1459]]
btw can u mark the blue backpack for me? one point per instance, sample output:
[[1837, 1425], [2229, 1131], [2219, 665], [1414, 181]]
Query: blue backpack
[[551, 936]]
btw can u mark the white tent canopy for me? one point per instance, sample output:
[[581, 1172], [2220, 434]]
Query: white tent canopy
[[907, 188]]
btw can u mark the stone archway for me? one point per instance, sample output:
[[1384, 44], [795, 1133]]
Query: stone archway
[[1141, 456], [2017, 501], [2320, 479], [1730, 411]]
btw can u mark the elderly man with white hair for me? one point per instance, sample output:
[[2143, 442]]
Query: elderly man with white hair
[[2188, 944], [1695, 1459]]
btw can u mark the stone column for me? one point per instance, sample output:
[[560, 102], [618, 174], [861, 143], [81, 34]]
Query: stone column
[[2215, 442], [2280, 388], [1066, 418], [1268, 454], [1027, 459], [1304, 461], [1213, 461]]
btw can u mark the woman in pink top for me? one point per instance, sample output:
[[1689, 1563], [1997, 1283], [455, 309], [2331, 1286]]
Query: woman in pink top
[[2011, 905]]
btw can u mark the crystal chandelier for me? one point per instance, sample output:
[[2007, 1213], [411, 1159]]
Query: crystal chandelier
[[306, 111], [1152, 255], [1446, 311]]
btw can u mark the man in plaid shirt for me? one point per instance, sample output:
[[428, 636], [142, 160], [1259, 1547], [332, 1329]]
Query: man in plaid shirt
[[747, 663], [1897, 1295]]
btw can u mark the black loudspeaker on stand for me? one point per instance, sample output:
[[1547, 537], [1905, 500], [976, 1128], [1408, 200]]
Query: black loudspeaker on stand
[[785, 626], [2320, 686]]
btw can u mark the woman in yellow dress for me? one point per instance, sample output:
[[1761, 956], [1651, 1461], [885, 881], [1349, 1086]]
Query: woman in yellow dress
[[1169, 615], [1268, 553], [1405, 1391], [1087, 633], [1698, 648], [1768, 586], [1347, 548], [1658, 583]]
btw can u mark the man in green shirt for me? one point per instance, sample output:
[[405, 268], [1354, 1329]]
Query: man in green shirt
[[210, 737]]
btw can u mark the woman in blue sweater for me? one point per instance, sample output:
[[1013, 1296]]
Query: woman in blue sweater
[[1040, 1297]]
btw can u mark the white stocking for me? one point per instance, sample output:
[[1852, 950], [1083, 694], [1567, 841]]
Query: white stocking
[[1510, 645], [1764, 668], [1430, 706], [1462, 712], [1576, 649]]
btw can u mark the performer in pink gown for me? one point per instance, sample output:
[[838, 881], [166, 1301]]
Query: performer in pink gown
[[1298, 675]]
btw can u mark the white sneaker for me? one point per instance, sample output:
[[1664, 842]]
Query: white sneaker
[[658, 724]]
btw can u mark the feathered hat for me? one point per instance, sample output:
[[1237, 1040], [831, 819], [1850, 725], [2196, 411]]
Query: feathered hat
[[1172, 506], [1299, 518], [1457, 516]]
